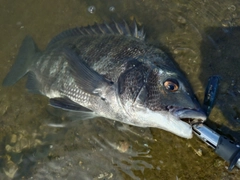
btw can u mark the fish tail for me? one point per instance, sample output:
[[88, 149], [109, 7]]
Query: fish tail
[[24, 60]]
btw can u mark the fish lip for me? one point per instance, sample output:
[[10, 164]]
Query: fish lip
[[188, 115]]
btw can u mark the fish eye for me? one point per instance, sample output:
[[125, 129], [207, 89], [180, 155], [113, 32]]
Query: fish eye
[[171, 85]]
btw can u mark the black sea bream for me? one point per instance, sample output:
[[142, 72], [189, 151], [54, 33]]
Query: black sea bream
[[112, 72]]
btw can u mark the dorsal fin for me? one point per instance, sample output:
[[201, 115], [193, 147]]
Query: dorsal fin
[[105, 28]]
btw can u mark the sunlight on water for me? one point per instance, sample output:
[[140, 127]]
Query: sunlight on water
[[91, 9]]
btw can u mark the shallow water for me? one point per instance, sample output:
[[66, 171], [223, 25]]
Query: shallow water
[[202, 36]]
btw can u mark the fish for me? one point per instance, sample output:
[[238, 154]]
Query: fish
[[109, 70]]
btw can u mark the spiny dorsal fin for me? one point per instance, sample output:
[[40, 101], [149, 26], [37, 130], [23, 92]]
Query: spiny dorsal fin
[[106, 28]]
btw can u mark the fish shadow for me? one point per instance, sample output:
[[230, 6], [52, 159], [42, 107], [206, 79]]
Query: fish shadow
[[220, 54]]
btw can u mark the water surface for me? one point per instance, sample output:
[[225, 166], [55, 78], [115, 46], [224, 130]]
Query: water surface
[[202, 36]]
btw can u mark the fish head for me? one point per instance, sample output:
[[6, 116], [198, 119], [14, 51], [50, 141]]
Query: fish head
[[160, 96]]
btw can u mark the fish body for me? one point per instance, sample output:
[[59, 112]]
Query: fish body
[[109, 70]]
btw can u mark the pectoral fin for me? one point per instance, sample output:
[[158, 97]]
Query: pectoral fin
[[87, 79]]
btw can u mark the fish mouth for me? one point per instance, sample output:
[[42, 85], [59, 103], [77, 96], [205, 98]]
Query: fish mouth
[[190, 116]]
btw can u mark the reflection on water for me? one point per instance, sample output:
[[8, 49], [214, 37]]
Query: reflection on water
[[95, 149], [202, 36], [91, 149]]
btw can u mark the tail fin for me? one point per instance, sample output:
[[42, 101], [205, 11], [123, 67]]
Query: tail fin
[[23, 61]]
